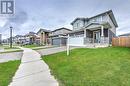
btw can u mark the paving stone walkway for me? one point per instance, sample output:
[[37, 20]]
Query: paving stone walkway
[[33, 71]]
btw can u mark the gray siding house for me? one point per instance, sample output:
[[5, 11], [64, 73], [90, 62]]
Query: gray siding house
[[58, 36], [97, 29]]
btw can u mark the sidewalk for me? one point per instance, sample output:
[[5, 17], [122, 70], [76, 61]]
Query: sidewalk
[[33, 71]]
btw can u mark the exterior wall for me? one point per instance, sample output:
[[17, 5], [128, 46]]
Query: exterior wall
[[113, 28], [61, 31], [80, 33], [78, 24], [43, 37], [110, 36], [98, 19], [76, 41]]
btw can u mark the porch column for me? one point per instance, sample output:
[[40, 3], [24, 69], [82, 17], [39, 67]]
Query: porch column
[[102, 31], [84, 33], [102, 34]]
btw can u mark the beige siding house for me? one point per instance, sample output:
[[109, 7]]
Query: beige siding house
[[44, 35]]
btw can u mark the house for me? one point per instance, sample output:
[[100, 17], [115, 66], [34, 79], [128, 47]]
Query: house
[[58, 36], [43, 34], [32, 38], [19, 39], [98, 29], [125, 35]]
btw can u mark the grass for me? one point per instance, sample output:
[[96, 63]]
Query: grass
[[91, 67], [32, 46], [39, 48], [7, 49], [11, 51], [7, 71]]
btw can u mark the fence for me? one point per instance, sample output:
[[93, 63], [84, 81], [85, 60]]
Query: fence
[[121, 41]]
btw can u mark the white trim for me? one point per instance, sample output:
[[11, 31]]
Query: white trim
[[102, 31]]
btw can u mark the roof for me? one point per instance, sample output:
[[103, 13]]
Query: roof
[[19, 36], [126, 34], [86, 27], [44, 30], [61, 29], [30, 34], [110, 13]]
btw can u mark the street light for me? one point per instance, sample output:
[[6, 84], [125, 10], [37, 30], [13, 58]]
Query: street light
[[11, 36]]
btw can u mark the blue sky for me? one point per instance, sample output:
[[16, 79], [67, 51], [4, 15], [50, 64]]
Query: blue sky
[[31, 15]]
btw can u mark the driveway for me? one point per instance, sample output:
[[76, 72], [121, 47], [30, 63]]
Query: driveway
[[52, 50], [5, 57], [33, 71]]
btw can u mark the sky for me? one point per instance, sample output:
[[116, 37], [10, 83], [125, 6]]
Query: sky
[[31, 15]]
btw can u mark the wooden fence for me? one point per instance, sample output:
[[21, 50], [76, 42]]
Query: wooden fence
[[121, 41]]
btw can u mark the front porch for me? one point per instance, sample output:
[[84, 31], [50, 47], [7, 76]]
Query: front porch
[[94, 35]]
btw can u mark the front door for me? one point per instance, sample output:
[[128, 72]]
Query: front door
[[96, 36]]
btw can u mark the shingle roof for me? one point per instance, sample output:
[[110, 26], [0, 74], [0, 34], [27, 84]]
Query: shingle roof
[[44, 30], [61, 29]]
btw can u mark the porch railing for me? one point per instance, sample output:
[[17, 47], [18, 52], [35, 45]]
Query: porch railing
[[103, 40], [81, 41]]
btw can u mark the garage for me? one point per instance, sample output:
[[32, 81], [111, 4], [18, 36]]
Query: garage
[[59, 41]]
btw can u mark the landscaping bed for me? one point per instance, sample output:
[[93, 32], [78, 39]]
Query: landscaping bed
[[91, 67], [7, 71]]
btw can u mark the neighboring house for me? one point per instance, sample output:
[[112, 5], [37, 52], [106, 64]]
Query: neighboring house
[[58, 36], [29, 38], [32, 38], [19, 39], [125, 35], [43, 34], [97, 29]]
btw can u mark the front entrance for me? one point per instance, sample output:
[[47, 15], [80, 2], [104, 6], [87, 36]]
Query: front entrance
[[96, 36]]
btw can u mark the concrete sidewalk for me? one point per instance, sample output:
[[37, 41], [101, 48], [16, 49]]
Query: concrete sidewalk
[[33, 71]]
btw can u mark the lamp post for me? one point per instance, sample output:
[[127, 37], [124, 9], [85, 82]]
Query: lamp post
[[11, 36]]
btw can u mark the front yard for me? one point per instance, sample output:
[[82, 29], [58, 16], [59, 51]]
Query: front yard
[[7, 49], [37, 47], [91, 67], [7, 71]]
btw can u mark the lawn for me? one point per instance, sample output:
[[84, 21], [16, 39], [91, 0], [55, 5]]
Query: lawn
[[91, 67], [7, 71], [37, 47], [32, 46], [7, 49]]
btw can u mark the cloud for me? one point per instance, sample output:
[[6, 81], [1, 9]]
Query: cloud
[[52, 14], [19, 18]]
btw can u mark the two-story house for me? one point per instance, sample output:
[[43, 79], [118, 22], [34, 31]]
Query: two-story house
[[58, 37], [97, 29], [44, 35]]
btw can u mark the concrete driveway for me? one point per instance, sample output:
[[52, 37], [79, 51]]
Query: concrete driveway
[[5, 57], [52, 50]]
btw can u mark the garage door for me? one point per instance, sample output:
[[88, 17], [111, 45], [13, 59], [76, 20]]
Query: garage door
[[56, 41]]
